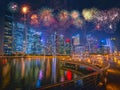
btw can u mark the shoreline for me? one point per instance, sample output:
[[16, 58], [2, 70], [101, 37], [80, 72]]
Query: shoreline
[[49, 56]]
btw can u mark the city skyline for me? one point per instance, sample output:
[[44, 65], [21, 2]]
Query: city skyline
[[101, 34], [38, 43], [60, 44]]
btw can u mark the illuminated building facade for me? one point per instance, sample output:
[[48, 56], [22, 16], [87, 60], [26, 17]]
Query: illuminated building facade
[[18, 38], [14, 40], [49, 45], [76, 44], [30, 40], [37, 45], [7, 48], [67, 46], [110, 44], [61, 47], [1, 39], [106, 49]]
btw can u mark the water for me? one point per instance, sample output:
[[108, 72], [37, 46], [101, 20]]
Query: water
[[29, 73]]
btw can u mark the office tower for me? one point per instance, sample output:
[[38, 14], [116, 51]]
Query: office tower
[[92, 44], [18, 38], [1, 41], [37, 45], [8, 31], [67, 46], [30, 40], [49, 46], [110, 43], [61, 46], [75, 44]]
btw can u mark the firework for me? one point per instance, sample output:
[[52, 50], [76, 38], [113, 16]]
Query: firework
[[89, 14], [107, 16], [63, 15], [78, 22], [108, 19], [114, 15], [13, 7], [98, 26], [46, 17], [111, 27], [75, 14], [34, 19], [102, 19], [108, 27]]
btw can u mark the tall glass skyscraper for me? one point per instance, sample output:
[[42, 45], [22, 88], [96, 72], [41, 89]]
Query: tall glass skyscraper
[[61, 46], [37, 45], [14, 40], [30, 40], [18, 38], [7, 48]]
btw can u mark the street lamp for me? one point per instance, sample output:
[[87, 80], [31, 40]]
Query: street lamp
[[25, 10]]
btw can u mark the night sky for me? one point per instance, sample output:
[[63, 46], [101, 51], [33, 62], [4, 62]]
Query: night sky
[[70, 5]]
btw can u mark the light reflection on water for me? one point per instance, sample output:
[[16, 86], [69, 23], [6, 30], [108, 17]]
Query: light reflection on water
[[32, 73], [29, 73]]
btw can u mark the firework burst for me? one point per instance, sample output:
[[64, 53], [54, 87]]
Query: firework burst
[[78, 22], [89, 14], [46, 16], [108, 19], [63, 15], [13, 7], [102, 19], [34, 19], [74, 14]]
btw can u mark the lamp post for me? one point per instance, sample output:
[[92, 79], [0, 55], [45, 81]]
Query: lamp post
[[25, 10]]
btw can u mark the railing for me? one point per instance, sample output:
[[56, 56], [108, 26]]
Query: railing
[[87, 81], [83, 82]]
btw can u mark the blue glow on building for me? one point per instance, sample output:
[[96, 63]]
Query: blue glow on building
[[30, 40], [33, 40], [7, 48], [18, 38]]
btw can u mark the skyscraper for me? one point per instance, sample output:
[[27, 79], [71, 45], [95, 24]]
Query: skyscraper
[[49, 45], [7, 48], [75, 44], [18, 38], [111, 45], [1, 43], [37, 45], [30, 40], [61, 47], [67, 46]]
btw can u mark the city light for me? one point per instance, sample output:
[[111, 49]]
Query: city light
[[59, 45], [25, 9]]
